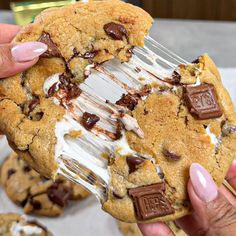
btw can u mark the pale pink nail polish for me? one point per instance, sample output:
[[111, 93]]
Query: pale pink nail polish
[[203, 184], [28, 51]]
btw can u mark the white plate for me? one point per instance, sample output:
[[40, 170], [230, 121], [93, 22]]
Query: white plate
[[86, 217]]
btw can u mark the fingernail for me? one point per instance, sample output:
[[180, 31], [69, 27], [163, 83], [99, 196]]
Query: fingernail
[[203, 184], [23, 52]]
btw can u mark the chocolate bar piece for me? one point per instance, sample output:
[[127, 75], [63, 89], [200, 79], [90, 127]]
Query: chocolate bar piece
[[150, 201], [202, 101]]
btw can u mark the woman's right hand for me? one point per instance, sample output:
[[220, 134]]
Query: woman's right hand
[[214, 209]]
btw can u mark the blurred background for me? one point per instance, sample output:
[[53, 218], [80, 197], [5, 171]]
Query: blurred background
[[180, 9]]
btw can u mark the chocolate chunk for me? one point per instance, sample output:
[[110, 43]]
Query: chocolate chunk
[[202, 101], [38, 116], [130, 53], [129, 101], [35, 204], [145, 111], [23, 203], [176, 77], [33, 104], [133, 163], [59, 194], [170, 155], [52, 90], [116, 31], [89, 120], [196, 61], [53, 50], [26, 169], [10, 172], [119, 128], [73, 91], [145, 91], [150, 201]]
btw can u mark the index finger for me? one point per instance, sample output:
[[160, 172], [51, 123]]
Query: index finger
[[8, 32]]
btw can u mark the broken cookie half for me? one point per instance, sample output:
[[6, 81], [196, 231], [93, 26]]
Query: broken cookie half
[[99, 100]]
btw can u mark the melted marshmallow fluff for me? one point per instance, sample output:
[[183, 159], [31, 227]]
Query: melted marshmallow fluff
[[18, 228]]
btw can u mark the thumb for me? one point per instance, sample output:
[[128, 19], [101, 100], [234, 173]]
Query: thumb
[[19, 57], [212, 211]]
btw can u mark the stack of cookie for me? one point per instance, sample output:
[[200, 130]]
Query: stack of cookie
[[34, 193]]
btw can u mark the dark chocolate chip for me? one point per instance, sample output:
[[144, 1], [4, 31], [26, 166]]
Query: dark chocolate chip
[[150, 201], [59, 194], [170, 155], [52, 90], [38, 116], [176, 77], [89, 120], [33, 104], [129, 101], [115, 31], [73, 91], [35, 204], [23, 203], [146, 111], [119, 130], [26, 169], [53, 50], [196, 61], [202, 101], [130, 52], [10, 172], [133, 163]]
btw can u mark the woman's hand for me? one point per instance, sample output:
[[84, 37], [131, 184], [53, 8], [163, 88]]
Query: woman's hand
[[15, 58], [214, 210]]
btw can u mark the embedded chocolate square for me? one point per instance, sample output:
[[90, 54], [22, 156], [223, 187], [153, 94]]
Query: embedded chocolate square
[[53, 50], [202, 101], [150, 201]]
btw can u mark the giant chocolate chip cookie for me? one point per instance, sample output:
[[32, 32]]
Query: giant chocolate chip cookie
[[152, 132]]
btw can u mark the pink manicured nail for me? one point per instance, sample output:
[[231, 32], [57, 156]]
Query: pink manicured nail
[[203, 184], [23, 52]]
